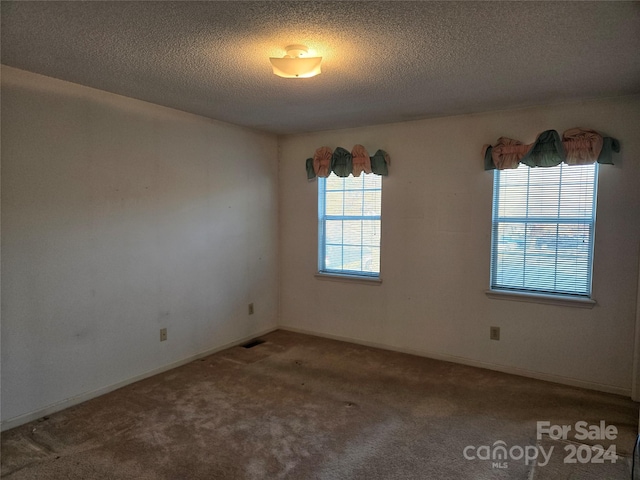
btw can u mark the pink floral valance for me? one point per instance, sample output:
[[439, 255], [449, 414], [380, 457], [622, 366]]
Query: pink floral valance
[[578, 146], [344, 163]]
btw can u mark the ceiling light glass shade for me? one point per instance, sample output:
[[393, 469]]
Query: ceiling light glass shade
[[295, 64]]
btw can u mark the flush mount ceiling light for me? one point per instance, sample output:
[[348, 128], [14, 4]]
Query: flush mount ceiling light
[[296, 64]]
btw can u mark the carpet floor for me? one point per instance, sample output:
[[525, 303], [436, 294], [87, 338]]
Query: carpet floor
[[304, 407]]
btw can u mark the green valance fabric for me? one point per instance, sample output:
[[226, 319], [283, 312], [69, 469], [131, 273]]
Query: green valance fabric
[[578, 146], [344, 163]]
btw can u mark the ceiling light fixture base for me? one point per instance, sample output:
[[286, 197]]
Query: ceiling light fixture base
[[296, 64]]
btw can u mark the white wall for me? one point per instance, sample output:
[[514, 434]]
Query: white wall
[[120, 217], [436, 232]]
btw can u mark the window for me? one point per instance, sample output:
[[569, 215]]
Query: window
[[543, 229], [349, 224]]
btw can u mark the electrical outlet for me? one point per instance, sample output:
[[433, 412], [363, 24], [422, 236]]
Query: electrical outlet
[[163, 334], [251, 309], [494, 333]]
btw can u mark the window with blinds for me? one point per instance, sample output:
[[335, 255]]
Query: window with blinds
[[349, 224], [543, 229]]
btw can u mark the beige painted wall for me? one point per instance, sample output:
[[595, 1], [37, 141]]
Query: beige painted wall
[[118, 218], [436, 217]]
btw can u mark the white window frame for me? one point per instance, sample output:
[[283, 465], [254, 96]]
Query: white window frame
[[545, 295], [323, 217]]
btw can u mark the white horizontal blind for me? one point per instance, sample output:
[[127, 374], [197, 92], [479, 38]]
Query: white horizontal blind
[[349, 224], [543, 229]]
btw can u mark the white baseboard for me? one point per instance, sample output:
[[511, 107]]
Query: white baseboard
[[70, 402], [573, 382], [48, 410]]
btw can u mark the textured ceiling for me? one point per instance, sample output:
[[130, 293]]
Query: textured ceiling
[[383, 61]]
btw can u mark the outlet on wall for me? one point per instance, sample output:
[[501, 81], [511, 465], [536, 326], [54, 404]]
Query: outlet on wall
[[251, 308], [163, 334], [494, 333]]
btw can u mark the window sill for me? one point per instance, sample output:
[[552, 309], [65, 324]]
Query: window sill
[[337, 277], [563, 301]]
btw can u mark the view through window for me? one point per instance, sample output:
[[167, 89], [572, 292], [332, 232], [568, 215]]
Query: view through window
[[543, 229], [349, 224]]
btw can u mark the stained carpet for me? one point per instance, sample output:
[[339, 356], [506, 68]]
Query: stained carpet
[[303, 407]]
